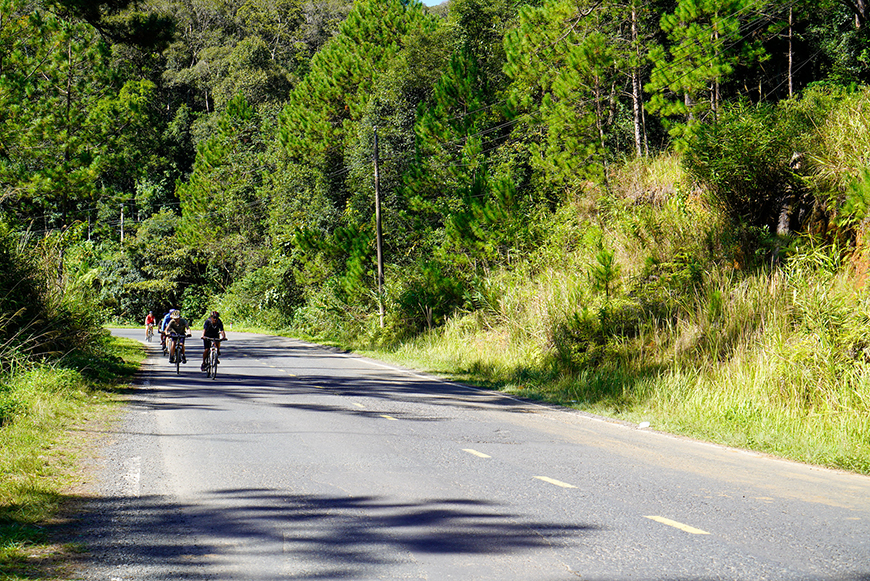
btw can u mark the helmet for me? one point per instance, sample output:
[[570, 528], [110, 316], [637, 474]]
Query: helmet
[[214, 315], [174, 314]]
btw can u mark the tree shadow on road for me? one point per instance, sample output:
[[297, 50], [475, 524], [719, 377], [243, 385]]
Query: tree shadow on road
[[255, 534]]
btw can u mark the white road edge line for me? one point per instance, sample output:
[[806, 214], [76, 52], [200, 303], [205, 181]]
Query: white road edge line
[[132, 477]]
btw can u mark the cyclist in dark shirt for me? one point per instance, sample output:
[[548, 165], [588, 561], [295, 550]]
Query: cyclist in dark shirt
[[212, 329]]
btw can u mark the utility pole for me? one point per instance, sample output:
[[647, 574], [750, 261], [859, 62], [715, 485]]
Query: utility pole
[[122, 223], [378, 234]]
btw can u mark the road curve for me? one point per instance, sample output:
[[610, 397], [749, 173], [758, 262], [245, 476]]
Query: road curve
[[301, 462]]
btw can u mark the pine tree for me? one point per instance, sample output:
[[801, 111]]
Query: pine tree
[[222, 213], [325, 130], [706, 41], [565, 69], [65, 123]]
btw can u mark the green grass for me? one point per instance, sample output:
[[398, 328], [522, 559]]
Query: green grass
[[39, 449], [750, 401]]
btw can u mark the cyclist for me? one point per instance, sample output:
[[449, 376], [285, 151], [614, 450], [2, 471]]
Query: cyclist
[[161, 328], [149, 322], [179, 326], [212, 329]]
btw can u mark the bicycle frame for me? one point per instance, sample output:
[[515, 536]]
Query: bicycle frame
[[212, 361], [179, 342]]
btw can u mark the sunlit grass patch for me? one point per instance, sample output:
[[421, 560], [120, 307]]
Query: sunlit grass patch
[[38, 455]]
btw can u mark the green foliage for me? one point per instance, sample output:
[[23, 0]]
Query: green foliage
[[856, 204], [324, 108], [223, 215], [449, 146], [578, 342], [196, 302], [67, 126], [253, 47], [38, 321], [564, 88], [743, 161], [151, 271], [706, 43], [830, 25], [276, 25], [267, 296], [246, 69], [605, 272], [839, 138], [428, 295]]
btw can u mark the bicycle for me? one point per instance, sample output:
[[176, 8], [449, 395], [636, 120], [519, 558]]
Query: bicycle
[[211, 363], [149, 332], [179, 350]]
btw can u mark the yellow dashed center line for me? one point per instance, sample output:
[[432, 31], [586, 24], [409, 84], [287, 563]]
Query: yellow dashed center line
[[359, 405], [389, 418], [476, 453], [677, 525], [556, 482], [279, 369]]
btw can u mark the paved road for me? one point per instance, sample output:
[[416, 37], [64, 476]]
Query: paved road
[[299, 462]]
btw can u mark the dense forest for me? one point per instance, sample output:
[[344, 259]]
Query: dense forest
[[604, 196]]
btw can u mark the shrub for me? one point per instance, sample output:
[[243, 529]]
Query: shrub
[[36, 320], [428, 295], [743, 161], [268, 295]]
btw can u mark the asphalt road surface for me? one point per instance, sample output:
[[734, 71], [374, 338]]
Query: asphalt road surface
[[300, 462]]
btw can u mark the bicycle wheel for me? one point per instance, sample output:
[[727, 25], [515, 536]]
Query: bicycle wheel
[[212, 363], [177, 359]]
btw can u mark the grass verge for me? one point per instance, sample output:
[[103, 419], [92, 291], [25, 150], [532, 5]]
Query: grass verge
[[766, 398], [42, 437]]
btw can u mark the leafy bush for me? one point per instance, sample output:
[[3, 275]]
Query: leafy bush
[[428, 295], [856, 201], [743, 161], [36, 320], [267, 296], [664, 287]]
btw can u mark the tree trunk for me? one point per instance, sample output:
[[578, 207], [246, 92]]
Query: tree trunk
[[636, 96], [790, 52], [714, 93]]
